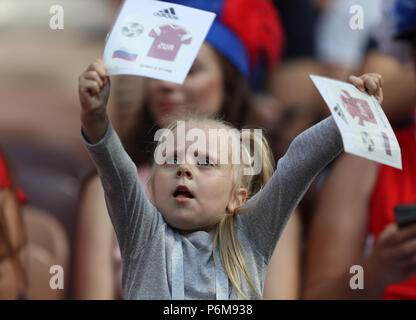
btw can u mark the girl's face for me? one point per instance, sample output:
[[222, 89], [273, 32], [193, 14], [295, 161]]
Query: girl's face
[[194, 196], [202, 91]]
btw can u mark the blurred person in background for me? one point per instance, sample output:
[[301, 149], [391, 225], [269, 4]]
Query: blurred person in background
[[354, 222], [12, 235], [345, 45], [321, 39], [344, 34], [290, 83], [38, 128], [218, 84], [337, 50]]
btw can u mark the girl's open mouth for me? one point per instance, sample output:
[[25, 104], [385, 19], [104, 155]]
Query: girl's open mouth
[[182, 193]]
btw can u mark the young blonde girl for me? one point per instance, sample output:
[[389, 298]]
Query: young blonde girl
[[227, 184], [203, 235]]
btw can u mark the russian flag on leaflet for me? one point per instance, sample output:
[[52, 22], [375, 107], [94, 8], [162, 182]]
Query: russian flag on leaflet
[[386, 143], [121, 54]]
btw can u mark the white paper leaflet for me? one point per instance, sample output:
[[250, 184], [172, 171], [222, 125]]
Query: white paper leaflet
[[364, 127], [156, 39]]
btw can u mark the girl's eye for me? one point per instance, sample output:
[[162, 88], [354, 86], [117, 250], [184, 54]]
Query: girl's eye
[[172, 160], [205, 163]]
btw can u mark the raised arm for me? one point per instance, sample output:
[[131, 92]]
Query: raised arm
[[308, 154], [134, 218]]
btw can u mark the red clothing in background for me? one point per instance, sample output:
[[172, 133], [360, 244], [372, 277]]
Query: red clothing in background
[[6, 182], [395, 187]]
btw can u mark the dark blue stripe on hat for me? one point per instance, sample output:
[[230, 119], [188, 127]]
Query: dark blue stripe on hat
[[226, 42]]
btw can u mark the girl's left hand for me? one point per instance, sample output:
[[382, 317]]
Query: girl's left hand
[[370, 82]]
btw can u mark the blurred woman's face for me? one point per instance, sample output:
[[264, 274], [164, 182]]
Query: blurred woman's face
[[202, 91]]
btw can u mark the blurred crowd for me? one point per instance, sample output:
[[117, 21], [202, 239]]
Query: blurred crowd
[[52, 208]]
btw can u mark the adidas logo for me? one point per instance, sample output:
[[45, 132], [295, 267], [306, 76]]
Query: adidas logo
[[167, 13]]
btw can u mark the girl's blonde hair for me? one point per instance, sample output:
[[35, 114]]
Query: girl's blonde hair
[[225, 235]]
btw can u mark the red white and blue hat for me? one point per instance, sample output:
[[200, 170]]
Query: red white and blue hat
[[244, 31]]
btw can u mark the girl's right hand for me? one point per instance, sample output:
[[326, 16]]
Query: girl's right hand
[[94, 88], [94, 91]]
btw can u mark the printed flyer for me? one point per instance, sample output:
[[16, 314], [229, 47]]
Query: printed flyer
[[365, 129], [156, 39]]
